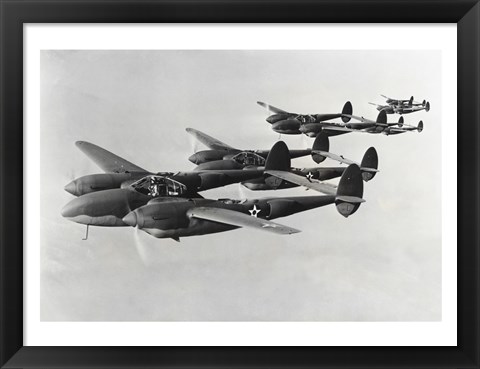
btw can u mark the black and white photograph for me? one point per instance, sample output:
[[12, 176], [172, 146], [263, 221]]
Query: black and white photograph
[[241, 186]]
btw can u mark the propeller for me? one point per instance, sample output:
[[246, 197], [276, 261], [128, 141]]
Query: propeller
[[241, 192], [141, 248], [193, 144]]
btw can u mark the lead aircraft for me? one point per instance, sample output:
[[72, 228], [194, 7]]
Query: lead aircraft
[[114, 206]]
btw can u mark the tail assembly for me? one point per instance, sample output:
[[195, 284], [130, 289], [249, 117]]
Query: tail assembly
[[427, 106], [379, 107], [321, 143], [424, 102], [349, 191], [420, 126], [369, 164], [278, 159], [400, 122], [410, 102], [347, 111], [382, 117]]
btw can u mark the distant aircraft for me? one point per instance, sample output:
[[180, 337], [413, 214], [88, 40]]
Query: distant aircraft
[[396, 106], [380, 125], [175, 219], [313, 177], [289, 123], [223, 156]]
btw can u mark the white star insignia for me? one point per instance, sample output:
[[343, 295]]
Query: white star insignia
[[309, 176], [254, 211]]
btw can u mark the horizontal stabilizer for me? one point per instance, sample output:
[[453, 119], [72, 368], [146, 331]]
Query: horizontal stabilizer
[[322, 187], [335, 157], [351, 199], [238, 219]]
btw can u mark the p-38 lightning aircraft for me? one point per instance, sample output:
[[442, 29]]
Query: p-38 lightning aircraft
[[313, 178], [223, 156], [120, 173], [319, 152], [396, 106], [193, 217], [377, 126], [285, 122]]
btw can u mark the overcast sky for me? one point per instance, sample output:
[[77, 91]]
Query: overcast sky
[[381, 264]]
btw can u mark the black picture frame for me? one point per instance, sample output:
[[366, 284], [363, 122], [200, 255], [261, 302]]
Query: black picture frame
[[15, 13]]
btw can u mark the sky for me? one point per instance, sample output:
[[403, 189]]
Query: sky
[[381, 264]]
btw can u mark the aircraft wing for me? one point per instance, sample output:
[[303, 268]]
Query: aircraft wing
[[238, 219], [303, 181], [106, 160], [360, 119], [273, 109], [335, 157], [346, 129], [341, 129], [209, 141]]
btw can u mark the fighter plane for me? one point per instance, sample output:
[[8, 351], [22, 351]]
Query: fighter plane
[[396, 106], [313, 177], [380, 125], [223, 156], [120, 173], [193, 217], [285, 122]]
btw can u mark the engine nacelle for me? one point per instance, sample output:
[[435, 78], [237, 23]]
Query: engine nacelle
[[206, 156], [280, 208], [276, 117], [162, 215], [97, 182], [211, 180], [287, 126], [219, 165]]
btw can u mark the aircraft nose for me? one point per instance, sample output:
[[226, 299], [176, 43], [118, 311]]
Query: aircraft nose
[[70, 210], [193, 158], [71, 188], [130, 219]]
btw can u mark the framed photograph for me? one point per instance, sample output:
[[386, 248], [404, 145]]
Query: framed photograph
[[226, 184]]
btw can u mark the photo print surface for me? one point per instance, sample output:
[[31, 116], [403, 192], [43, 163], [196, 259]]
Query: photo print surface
[[195, 172]]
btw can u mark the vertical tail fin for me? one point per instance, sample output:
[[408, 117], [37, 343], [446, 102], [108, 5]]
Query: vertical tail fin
[[369, 164], [278, 159], [382, 117], [347, 110], [349, 191], [410, 102], [321, 143]]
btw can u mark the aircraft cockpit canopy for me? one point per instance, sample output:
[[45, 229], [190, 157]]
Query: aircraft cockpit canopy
[[156, 186], [249, 158]]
